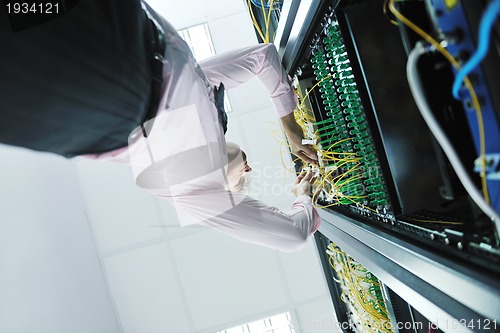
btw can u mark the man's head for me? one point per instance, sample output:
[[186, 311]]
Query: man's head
[[238, 167]]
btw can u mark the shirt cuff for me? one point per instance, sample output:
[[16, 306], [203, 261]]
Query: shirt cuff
[[285, 104], [307, 202]]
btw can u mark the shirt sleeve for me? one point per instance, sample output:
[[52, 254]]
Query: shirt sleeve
[[262, 61], [250, 220]]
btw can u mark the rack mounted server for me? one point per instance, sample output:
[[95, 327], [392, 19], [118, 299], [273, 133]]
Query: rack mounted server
[[392, 196]]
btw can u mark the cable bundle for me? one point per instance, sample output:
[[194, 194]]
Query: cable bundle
[[362, 293], [267, 9], [348, 171]]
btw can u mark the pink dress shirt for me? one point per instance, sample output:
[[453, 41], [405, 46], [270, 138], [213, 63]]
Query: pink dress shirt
[[183, 159]]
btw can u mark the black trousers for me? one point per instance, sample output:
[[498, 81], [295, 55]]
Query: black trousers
[[78, 84]]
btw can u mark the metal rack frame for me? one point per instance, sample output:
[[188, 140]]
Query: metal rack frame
[[447, 290], [444, 291]]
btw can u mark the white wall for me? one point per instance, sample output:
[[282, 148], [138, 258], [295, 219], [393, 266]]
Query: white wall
[[51, 278], [155, 277]]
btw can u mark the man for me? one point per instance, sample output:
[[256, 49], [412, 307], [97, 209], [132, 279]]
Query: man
[[114, 81]]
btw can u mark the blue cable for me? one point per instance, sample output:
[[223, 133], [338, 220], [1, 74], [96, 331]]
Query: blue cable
[[487, 21]]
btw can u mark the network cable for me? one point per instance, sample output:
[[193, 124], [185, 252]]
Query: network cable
[[468, 84], [485, 26], [266, 16], [254, 21], [423, 106], [361, 290]]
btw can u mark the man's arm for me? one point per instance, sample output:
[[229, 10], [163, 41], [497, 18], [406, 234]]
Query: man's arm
[[248, 219], [262, 61]]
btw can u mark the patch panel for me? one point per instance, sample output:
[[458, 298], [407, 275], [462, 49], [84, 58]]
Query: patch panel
[[342, 129], [379, 162], [390, 184], [361, 293]]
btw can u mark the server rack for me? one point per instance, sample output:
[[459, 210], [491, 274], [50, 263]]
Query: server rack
[[439, 275]]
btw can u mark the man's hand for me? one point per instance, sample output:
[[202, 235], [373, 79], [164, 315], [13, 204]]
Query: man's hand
[[295, 135], [303, 183]]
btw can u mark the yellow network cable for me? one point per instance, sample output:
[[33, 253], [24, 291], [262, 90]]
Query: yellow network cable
[[468, 84], [340, 141], [255, 24], [267, 20], [361, 290], [334, 191], [386, 3], [313, 87], [345, 173], [438, 222], [363, 206], [330, 185], [278, 136]]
